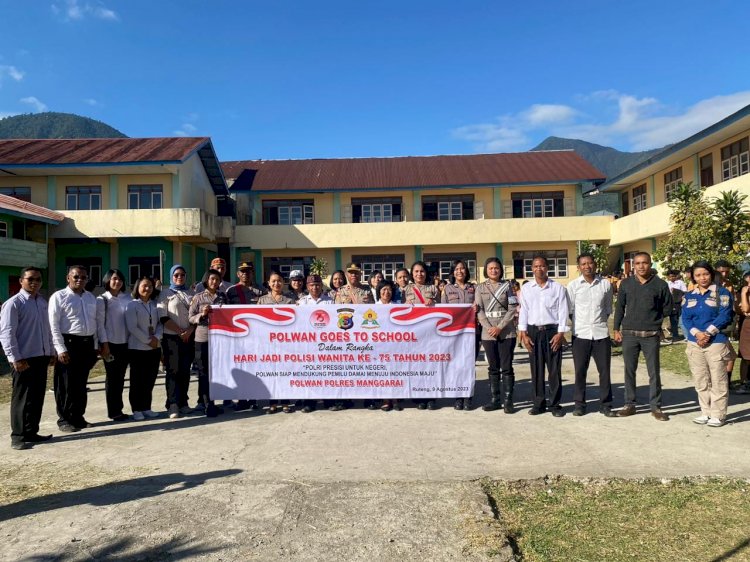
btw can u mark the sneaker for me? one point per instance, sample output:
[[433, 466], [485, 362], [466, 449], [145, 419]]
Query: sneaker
[[174, 412], [701, 420], [185, 410], [715, 422], [150, 414], [66, 427], [138, 416]]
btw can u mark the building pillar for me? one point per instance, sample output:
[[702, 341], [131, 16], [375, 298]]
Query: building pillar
[[114, 255], [176, 199], [651, 191], [258, 263], [417, 202], [697, 170], [418, 253], [114, 200], [337, 208], [497, 204], [51, 192], [579, 200], [337, 259]]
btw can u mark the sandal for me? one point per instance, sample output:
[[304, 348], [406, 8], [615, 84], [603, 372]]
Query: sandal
[[287, 409], [272, 409]]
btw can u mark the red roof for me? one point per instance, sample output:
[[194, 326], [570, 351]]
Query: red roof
[[16, 206], [543, 167], [97, 151]]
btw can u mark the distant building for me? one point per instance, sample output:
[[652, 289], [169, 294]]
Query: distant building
[[388, 212], [122, 202], [717, 158]]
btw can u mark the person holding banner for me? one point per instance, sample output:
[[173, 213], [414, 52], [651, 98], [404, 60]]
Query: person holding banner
[[200, 310], [385, 293], [422, 293], [144, 347], [460, 291], [178, 346], [276, 297], [314, 297], [112, 332], [497, 305]]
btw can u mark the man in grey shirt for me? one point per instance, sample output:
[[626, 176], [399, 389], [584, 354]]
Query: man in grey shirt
[[27, 342]]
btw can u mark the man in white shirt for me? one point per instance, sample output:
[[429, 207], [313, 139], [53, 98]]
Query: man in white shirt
[[313, 297], [590, 299], [678, 289], [542, 324], [72, 319]]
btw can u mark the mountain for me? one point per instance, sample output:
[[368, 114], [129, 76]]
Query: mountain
[[609, 160], [51, 125]]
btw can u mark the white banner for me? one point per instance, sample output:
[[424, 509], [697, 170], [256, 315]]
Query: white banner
[[341, 351]]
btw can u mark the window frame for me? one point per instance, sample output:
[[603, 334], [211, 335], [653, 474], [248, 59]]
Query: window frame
[[295, 211], [75, 192], [151, 190], [23, 195], [671, 180], [558, 261], [639, 198], [3, 229]]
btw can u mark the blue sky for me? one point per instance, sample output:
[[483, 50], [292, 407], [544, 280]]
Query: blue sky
[[301, 79]]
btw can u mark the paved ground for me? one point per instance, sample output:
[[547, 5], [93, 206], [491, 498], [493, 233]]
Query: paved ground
[[353, 485]]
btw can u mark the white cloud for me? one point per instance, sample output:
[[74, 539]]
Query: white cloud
[[91, 101], [35, 103], [74, 10], [185, 130], [10, 71], [605, 117]]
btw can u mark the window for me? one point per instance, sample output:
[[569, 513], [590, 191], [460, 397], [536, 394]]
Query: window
[[134, 273], [387, 264], [22, 193], [735, 160], [19, 229], [285, 266], [381, 209], [671, 180], [287, 211], [625, 204], [92, 265], [535, 205], [707, 170], [144, 197], [3, 229], [448, 207], [442, 264], [639, 198], [85, 198], [143, 265], [557, 260]]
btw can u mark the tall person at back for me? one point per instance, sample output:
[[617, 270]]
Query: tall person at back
[[643, 302]]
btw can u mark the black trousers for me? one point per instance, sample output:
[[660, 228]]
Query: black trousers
[[115, 381], [202, 362], [542, 357], [601, 351], [631, 349], [499, 355], [178, 357], [144, 366], [71, 379], [27, 399]]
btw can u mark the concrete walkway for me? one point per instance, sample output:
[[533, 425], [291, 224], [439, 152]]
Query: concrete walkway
[[352, 485]]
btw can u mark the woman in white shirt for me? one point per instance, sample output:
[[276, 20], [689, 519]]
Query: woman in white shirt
[[142, 317], [112, 332]]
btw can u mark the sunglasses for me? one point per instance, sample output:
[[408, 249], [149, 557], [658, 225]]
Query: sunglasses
[[79, 277], [33, 279]]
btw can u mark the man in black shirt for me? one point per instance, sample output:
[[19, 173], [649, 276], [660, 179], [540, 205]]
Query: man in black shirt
[[643, 301]]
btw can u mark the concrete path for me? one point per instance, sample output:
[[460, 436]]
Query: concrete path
[[352, 485]]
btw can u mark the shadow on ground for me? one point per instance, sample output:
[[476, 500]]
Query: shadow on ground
[[112, 493]]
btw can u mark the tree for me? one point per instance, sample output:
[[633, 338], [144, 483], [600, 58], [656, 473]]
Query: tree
[[704, 229], [319, 266], [600, 253]]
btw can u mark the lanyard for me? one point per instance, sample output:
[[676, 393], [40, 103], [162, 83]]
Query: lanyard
[[150, 318]]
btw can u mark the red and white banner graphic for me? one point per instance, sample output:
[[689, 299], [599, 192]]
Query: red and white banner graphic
[[341, 351]]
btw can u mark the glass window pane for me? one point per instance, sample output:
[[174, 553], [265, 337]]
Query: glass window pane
[[132, 200], [156, 200]]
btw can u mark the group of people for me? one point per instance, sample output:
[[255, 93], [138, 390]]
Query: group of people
[[153, 324]]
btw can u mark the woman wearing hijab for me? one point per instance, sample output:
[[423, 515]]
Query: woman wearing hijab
[[177, 343], [112, 332]]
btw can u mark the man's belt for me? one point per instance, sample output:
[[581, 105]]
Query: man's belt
[[641, 333], [544, 326]]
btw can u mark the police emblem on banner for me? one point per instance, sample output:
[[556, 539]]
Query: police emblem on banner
[[346, 318]]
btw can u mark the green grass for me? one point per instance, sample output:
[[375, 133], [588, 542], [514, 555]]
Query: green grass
[[654, 520]]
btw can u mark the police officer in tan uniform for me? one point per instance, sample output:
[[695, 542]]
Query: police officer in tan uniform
[[354, 292], [497, 304]]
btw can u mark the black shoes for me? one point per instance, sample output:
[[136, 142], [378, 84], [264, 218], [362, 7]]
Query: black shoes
[[307, 409], [121, 417], [579, 411], [422, 406], [459, 404], [430, 404], [20, 445], [536, 410], [508, 407], [557, 411], [607, 411], [491, 406], [66, 427]]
